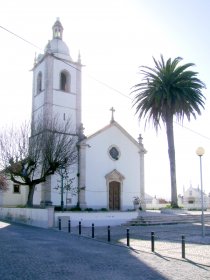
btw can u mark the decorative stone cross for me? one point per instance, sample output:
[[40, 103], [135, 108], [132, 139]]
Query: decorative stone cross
[[81, 131], [112, 110], [140, 139]]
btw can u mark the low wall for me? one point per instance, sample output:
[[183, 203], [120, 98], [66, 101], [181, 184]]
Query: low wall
[[35, 217], [172, 211], [98, 218], [47, 218], [195, 206], [156, 206]]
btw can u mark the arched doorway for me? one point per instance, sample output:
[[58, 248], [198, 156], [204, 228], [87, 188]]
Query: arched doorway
[[114, 182], [114, 195]]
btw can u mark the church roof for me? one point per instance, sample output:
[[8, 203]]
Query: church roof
[[116, 124]]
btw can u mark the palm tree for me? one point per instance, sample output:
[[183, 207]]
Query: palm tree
[[167, 90]]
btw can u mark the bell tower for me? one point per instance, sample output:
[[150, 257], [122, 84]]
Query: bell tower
[[57, 83], [56, 93]]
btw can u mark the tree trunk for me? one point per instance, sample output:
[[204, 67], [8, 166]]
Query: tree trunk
[[30, 195], [172, 160]]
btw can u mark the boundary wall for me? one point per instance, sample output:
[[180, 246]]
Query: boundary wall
[[43, 218], [98, 218], [48, 218]]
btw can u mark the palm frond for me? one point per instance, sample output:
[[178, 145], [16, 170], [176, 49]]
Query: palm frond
[[168, 89]]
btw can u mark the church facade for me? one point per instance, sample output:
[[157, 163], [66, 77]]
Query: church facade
[[110, 169]]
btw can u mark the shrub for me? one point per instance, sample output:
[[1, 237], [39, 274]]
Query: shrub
[[89, 209], [76, 208], [104, 209]]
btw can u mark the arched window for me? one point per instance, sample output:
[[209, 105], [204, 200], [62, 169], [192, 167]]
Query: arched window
[[65, 81], [39, 83]]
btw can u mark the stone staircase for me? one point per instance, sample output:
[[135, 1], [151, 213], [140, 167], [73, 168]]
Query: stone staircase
[[148, 218]]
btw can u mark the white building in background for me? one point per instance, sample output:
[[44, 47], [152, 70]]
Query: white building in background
[[191, 199], [110, 168]]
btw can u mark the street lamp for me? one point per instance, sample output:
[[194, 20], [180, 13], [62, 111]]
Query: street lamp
[[200, 152]]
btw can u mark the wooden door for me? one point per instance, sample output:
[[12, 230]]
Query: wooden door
[[114, 195]]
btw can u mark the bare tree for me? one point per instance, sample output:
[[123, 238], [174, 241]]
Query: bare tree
[[30, 160], [3, 183]]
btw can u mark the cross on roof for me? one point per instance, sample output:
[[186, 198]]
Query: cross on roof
[[112, 110]]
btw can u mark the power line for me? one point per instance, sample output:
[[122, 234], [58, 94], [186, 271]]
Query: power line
[[193, 131], [110, 87], [103, 83], [99, 81], [20, 37]]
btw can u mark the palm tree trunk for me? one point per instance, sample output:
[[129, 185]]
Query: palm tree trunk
[[172, 160], [30, 195]]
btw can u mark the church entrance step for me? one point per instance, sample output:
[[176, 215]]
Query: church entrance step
[[161, 219]]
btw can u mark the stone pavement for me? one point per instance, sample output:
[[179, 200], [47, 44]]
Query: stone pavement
[[29, 253], [168, 239]]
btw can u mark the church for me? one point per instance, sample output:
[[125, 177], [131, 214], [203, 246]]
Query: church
[[109, 172]]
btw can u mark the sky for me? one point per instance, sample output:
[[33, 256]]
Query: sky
[[114, 38]]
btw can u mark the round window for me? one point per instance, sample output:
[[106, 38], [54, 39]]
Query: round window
[[114, 153]]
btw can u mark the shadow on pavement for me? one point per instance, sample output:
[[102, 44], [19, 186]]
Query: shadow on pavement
[[34, 253]]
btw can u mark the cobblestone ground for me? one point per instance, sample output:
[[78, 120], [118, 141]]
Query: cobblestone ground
[[168, 240], [29, 253]]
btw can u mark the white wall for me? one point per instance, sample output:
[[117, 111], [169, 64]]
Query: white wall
[[99, 163], [36, 217], [56, 194], [47, 218], [98, 218], [9, 198]]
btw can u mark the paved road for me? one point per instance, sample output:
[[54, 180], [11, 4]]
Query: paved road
[[33, 253], [168, 239]]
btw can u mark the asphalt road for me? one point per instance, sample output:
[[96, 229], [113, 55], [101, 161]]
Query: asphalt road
[[33, 253]]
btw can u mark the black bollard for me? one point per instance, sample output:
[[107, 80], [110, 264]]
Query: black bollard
[[109, 236], [152, 241], [80, 228], [69, 225], [128, 238], [59, 223], [183, 246], [93, 235]]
